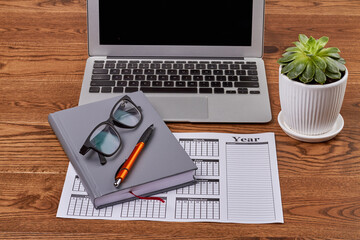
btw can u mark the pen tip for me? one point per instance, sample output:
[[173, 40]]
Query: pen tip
[[117, 182]]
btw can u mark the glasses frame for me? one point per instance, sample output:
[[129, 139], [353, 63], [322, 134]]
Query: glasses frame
[[111, 122]]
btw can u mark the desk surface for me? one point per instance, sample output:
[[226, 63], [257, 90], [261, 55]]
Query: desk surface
[[43, 49]]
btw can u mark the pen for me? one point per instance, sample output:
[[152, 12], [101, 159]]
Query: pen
[[126, 166]]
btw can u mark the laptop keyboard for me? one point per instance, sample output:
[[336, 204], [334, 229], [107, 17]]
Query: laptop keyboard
[[157, 76]]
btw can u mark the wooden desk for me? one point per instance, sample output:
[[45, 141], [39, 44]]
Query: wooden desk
[[43, 49]]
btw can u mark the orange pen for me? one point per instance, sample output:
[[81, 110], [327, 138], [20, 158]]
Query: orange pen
[[126, 166]]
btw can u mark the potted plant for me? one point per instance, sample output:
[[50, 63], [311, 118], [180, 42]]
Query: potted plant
[[312, 82]]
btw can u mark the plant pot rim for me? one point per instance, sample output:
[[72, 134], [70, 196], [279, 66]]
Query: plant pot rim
[[314, 86]]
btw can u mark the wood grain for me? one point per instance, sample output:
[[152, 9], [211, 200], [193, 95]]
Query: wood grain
[[43, 49]]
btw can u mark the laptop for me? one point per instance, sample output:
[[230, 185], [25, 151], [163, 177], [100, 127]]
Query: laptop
[[196, 61]]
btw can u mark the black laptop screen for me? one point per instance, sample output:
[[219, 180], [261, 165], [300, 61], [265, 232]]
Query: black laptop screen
[[196, 22]]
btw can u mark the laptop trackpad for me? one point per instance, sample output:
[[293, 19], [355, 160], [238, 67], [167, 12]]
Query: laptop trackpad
[[180, 108]]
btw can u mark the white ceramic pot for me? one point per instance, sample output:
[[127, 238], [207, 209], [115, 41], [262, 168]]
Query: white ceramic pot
[[310, 109]]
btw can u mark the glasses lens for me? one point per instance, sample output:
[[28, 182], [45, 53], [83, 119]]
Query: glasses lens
[[126, 113], [105, 139]]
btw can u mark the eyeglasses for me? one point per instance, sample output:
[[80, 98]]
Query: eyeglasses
[[104, 139]]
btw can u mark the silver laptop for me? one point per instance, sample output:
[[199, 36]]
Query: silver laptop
[[196, 61]]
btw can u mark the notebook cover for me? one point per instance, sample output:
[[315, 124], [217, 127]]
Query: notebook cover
[[162, 157]]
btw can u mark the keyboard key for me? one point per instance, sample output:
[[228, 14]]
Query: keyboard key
[[94, 89], [121, 65], [252, 72], [220, 78], [144, 65], [233, 78], [149, 72], [151, 77], [206, 72], [121, 83], [189, 66], [116, 77], [118, 89], [160, 72], [184, 72], [114, 71], [128, 77], [192, 84], [157, 83], [234, 66], [248, 67], [195, 72], [106, 89], [175, 77], [198, 78], [110, 65], [240, 72], [180, 84], [100, 77], [168, 90], [203, 84], [247, 84], [131, 89], [230, 91], [209, 78], [178, 66], [254, 92], [139, 77], [205, 90], [137, 71], [227, 84], [168, 84], [229, 72], [163, 77], [186, 78], [126, 71], [98, 65], [172, 72], [100, 71], [145, 83], [223, 66], [133, 83], [218, 72], [216, 84], [211, 66], [249, 78], [219, 90]]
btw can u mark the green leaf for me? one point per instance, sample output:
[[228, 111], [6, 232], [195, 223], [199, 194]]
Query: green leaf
[[309, 72], [293, 49], [287, 58], [311, 43], [298, 69], [303, 39], [341, 60], [304, 80], [341, 66], [333, 75], [319, 62], [287, 68], [320, 76], [323, 41], [325, 51], [300, 46], [331, 65]]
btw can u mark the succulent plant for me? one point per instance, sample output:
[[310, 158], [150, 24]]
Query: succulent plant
[[310, 60]]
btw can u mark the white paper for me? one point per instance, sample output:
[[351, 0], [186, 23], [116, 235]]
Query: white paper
[[237, 177]]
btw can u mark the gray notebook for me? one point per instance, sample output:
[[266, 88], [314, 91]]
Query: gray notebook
[[163, 164]]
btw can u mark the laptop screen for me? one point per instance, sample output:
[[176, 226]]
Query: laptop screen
[[183, 23]]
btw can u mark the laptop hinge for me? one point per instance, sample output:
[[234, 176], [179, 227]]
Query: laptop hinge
[[171, 57]]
